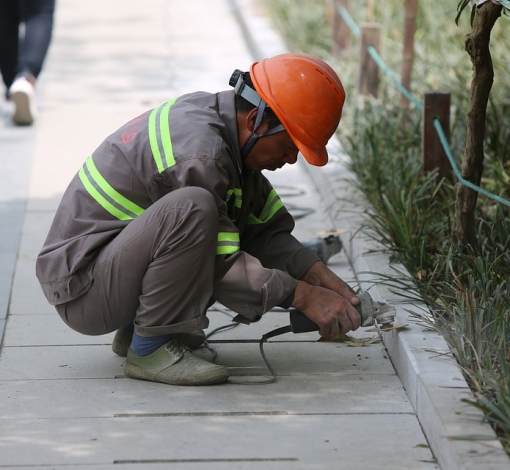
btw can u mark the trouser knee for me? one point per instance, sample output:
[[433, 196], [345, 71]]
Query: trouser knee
[[159, 270]]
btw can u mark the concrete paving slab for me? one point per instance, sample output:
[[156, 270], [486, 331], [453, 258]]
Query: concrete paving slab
[[8, 262], [60, 362], [302, 359], [27, 297], [97, 361], [46, 330], [87, 398], [331, 441], [25, 293], [16, 150], [187, 464], [36, 225]]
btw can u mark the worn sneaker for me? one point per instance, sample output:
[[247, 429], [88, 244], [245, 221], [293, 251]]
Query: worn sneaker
[[22, 94], [174, 364], [122, 340]]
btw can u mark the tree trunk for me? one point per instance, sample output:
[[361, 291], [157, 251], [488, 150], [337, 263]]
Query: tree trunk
[[477, 46], [411, 8]]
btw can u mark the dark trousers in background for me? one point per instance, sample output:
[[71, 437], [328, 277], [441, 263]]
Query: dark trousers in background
[[24, 54]]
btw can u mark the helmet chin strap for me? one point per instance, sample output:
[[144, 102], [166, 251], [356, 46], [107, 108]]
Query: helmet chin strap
[[249, 94], [254, 137]]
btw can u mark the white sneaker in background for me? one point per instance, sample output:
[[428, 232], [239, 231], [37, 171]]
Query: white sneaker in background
[[22, 95]]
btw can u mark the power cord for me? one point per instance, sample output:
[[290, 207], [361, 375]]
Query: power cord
[[278, 331]]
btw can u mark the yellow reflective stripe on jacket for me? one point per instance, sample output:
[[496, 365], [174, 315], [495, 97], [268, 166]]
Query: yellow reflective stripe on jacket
[[272, 205], [238, 194], [105, 195], [228, 243], [159, 137]]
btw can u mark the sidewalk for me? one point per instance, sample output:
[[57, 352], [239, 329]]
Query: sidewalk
[[64, 400]]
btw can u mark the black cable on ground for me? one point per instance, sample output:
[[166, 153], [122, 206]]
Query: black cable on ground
[[264, 381]]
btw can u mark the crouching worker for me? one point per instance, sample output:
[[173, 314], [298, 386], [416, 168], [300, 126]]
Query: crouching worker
[[172, 213]]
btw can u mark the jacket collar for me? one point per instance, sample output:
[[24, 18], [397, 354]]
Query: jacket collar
[[227, 113]]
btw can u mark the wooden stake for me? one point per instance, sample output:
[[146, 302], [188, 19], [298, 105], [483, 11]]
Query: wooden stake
[[436, 104], [368, 78], [371, 11], [329, 9], [341, 32], [411, 8]]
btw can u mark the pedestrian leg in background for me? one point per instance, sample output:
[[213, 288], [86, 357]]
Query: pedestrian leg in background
[[9, 35], [157, 274], [22, 58]]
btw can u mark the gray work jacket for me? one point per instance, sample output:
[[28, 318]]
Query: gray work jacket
[[191, 141]]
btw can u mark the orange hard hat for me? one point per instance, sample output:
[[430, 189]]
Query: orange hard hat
[[306, 95]]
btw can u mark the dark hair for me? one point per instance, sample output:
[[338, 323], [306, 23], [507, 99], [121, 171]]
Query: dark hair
[[244, 105]]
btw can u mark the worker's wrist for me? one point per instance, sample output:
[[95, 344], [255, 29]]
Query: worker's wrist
[[314, 275], [301, 295]]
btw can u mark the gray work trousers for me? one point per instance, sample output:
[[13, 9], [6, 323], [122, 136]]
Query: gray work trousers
[[158, 273]]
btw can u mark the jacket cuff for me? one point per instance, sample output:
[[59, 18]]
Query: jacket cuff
[[300, 262], [287, 303]]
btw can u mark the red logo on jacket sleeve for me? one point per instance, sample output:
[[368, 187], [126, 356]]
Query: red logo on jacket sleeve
[[129, 135]]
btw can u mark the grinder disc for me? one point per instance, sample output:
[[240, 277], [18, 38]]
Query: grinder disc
[[387, 328]]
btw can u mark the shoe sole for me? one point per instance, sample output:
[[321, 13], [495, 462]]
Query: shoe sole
[[22, 115], [205, 378]]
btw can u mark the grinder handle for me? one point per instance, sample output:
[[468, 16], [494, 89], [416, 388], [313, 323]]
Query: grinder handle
[[300, 323]]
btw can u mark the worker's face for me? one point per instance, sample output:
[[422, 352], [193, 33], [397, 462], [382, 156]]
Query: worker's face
[[272, 152]]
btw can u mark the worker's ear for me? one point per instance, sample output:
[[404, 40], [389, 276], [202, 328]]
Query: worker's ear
[[251, 117], [250, 120], [246, 126]]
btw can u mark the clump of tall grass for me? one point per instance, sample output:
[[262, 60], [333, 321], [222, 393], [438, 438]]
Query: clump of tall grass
[[411, 216]]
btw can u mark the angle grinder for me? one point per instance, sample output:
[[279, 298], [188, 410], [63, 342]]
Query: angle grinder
[[373, 313], [379, 314]]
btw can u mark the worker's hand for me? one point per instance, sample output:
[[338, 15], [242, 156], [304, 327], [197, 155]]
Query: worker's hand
[[320, 275], [332, 312]]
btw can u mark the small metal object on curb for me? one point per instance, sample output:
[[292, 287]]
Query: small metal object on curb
[[326, 247]]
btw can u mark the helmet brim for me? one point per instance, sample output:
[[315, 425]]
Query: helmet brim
[[316, 157]]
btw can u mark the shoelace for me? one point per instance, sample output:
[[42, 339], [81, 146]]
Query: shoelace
[[176, 349]]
